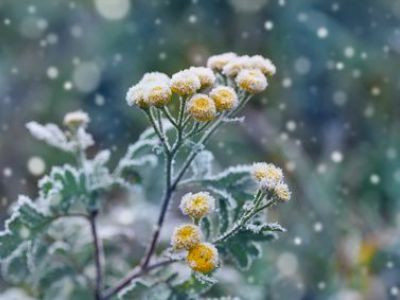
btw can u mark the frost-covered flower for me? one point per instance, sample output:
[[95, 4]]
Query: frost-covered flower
[[157, 93], [203, 258], [225, 98], [282, 191], [236, 65], [185, 82], [76, 119], [153, 77], [217, 62], [202, 108], [197, 205], [269, 172], [252, 81], [186, 237], [263, 64], [206, 75], [135, 96]]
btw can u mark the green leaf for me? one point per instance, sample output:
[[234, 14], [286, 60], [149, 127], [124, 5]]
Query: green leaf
[[24, 225], [223, 216], [206, 227]]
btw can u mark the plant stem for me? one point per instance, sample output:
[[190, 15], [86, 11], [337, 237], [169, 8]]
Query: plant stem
[[133, 275], [97, 255]]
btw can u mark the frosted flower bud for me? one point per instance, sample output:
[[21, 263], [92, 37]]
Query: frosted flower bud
[[263, 64], [76, 119], [217, 62], [264, 171], [185, 82], [157, 93], [225, 98], [197, 205], [282, 191], [202, 108], [203, 258], [186, 237], [155, 77], [267, 184], [135, 96], [252, 81], [236, 65], [206, 76]]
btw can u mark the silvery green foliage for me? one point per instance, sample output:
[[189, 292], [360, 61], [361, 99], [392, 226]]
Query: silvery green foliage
[[51, 247]]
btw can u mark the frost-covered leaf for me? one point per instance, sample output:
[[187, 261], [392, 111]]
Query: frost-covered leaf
[[15, 268], [202, 164], [50, 134], [195, 286], [63, 187], [138, 155], [141, 290], [25, 223], [243, 246]]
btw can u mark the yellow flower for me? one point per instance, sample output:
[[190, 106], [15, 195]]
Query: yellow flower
[[264, 171], [186, 237], [197, 205], [282, 191], [157, 94], [217, 62], [225, 98], [206, 76], [236, 65], [154, 77], [252, 81], [134, 96], [203, 258], [201, 108], [263, 64], [185, 82], [76, 119]]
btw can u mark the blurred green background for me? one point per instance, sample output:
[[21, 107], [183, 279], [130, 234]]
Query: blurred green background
[[330, 116]]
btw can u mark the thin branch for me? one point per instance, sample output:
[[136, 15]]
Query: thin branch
[[157, 130], [169, 116], [136, 273], [97, 255]]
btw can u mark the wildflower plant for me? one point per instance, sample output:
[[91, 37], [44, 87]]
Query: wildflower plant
[[45, 246]]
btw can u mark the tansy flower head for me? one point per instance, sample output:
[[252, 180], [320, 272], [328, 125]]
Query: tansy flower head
[[201, 108], [264, 171], [197, 205], [157, 93], [252, 81], [225, 98], [135, 96], [186, 237], [185, 82], [202, 258], [217, 62], [76, 119], [155, 77], [282, 191], [206, 76], [236, 65], [263, 64]]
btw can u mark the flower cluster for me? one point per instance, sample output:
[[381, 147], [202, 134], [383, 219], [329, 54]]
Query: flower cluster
[[201, 256], [206, 91], [270, 179], [249, 72]]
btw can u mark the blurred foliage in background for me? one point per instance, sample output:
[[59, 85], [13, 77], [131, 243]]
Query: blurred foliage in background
[[330, 118]]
